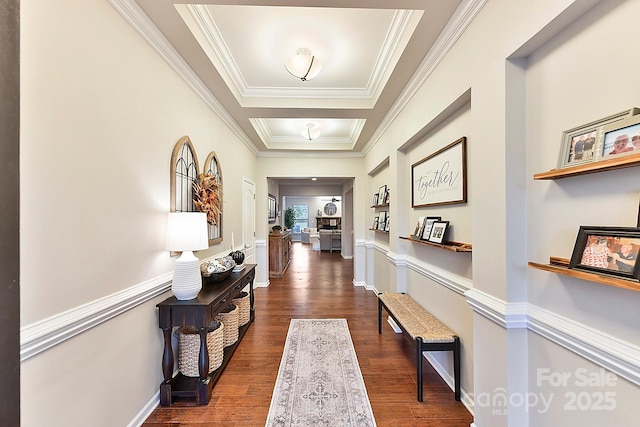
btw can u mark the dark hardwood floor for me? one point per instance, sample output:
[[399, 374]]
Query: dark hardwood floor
[[320, 285]]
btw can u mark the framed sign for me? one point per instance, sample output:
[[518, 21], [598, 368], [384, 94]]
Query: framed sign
[[440, 179]]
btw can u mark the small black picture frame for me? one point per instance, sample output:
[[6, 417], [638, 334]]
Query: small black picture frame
[[438, 232], [610, 251]]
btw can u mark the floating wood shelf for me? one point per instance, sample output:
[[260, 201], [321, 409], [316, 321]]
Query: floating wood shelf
[[587, 168], [378, 231], [449, 246], [384, 205], [561, 266]]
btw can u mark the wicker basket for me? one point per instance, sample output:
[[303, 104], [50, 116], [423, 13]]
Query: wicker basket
[[244, 308], [189, 348], [229, 316]]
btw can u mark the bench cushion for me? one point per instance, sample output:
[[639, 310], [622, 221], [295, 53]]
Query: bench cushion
[[414, 319]]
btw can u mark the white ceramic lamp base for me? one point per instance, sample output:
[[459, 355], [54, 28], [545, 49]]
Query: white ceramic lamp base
[[187, 280]]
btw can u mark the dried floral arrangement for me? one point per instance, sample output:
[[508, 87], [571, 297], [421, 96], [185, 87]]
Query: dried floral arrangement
[[208, 197]]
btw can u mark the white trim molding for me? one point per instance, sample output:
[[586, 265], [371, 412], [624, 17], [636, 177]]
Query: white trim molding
[[135, 16], [44, 334], [614, 354], [507, 315], [454, 282]]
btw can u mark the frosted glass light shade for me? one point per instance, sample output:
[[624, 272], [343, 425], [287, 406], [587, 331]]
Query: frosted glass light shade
[[303, 65], [310, 132], [187, 231]]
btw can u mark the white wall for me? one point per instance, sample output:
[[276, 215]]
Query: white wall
[[532, 70], [100, 114]]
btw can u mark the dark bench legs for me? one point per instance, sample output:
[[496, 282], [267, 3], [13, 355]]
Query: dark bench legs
[[422, 346], [445, 346]]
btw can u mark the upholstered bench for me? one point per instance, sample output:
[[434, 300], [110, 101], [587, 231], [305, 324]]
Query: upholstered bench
[[428, 332]]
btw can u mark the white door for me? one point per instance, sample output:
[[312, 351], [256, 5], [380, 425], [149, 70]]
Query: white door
[[249, 220]]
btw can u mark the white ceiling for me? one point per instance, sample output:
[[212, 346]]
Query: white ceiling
[[232, 52]]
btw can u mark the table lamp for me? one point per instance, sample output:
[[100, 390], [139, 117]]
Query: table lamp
[[186, 232]]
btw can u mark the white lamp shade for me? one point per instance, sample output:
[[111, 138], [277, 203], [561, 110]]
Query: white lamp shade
[[187, 231], [303, 65]]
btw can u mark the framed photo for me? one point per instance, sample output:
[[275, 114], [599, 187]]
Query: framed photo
[[621, 138], [386, 198], [608, 250], [428, 225], [583, 144], [375, 200], [271, 208], [382, 220], [441, 178], [382, 194], [438, 231], [417, 233], [375, 223], [386, 224]]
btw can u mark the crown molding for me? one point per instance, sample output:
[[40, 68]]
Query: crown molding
[[135, 16], [461, 19]]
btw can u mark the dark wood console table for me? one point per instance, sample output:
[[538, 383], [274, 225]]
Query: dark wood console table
[[199, 312]]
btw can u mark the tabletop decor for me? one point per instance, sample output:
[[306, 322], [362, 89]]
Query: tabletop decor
[[207, 197]]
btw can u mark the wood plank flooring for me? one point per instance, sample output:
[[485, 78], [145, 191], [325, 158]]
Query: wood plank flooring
[[319, 285]]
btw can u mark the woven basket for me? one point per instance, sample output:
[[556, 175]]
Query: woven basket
[[189, 348], [244, 308], [229, 316]]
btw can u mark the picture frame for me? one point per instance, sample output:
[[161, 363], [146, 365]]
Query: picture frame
[[428, 225], [611, 251], [438, 231], [375, 200], [271, 208], [441, 177], [382, 194], [382, 219], [386, 198], [386, 224], [375, 223], [621, 138], [589, 134], [417, 233]]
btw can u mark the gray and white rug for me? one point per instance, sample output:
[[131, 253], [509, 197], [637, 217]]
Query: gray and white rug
[[319, 382]]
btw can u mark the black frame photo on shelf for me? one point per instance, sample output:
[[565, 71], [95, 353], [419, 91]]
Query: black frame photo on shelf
[[382, 194], [382, 220], [375, 200], [428, 225], [375, 223], [438, 231], [591, 135], [607, 250]]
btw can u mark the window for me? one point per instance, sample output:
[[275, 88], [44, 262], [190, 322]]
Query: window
[[302, 216]]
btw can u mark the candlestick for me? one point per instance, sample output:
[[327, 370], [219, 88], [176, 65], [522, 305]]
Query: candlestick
[[233, 245]]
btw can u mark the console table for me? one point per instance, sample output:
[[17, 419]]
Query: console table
[[199, 312]]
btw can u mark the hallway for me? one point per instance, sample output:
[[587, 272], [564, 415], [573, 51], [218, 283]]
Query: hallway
[[319, 285]]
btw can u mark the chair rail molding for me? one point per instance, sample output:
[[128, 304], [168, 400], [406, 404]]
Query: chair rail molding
[[46, 333], [508, 315], [619, 356], [454, 282]]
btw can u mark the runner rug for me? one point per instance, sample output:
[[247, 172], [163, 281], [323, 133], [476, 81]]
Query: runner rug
[[319, 382]]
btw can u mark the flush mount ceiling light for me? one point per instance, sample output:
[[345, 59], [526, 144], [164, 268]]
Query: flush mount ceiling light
[[310, 132], [303, 65]]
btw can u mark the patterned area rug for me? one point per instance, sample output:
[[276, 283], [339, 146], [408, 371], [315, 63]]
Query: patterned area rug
[[319, 382]]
